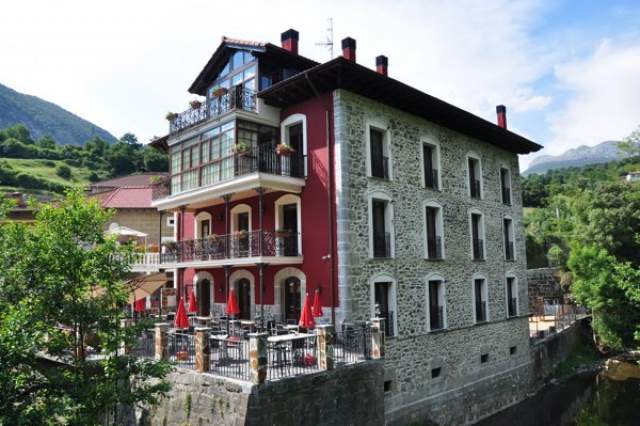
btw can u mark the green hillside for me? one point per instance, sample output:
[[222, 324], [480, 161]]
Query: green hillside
[[45, 118]]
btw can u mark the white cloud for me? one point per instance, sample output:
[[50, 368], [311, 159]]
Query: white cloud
[[603, 90]]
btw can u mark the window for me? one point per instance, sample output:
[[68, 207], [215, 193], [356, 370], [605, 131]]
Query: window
[[513, 350], [378, 149], [480, 299], [505, 185], [507, 226], [381, 235], [434, 231], [288, 225], [512, 297], [171, 221], [382, 289], [477, 236], [484, 358], [430, 160], [202, 224], [294, 132], [435, 303], [387, 385], [240, 69], [474, 172], [435, 372]]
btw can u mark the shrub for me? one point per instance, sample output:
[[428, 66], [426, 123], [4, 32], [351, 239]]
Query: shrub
[[93, 177], [63, 171]]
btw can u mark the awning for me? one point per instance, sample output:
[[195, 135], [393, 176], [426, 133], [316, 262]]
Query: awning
[[146, 285], [125, 231]]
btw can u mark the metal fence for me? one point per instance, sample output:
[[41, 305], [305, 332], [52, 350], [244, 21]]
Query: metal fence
[[352, 345], [145, 345], [181, 349], [230, 357], [294, 357]]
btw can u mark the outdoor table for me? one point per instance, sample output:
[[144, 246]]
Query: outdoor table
[[287, 337]]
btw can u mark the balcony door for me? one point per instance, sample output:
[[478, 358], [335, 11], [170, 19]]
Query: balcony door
[[380, 235], [243, 288], [292, 299], [296, 143], [290, 225], [382, 302], [204, 298]]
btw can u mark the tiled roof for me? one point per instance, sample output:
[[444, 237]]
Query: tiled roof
[[137, 179], [237, 41], [126, 198]]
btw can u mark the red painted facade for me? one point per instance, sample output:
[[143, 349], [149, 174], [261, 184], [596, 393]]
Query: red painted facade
[[317, 217]]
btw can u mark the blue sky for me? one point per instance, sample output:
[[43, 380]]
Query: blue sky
[[567, 70]]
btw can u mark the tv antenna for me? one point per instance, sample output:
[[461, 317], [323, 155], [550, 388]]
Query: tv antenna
[[328, 43]]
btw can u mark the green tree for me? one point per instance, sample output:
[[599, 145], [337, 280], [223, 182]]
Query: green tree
[[62, 271], [129, 138], [63, 171], [154, 160], [124, 158], [46, 142]]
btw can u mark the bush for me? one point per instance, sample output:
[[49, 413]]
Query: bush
[[93, 177], [63, 171], [48, 163]]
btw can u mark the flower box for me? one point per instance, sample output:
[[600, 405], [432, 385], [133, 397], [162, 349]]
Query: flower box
[[241, 148], [195, 104], [284, 149], [182, 356]]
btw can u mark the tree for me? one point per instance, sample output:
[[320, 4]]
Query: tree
[[154, 160], [63, 171], [129, 138], [631, 144], [62, 271], [124, 158], [46, 142]]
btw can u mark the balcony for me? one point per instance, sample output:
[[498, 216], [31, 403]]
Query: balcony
[[238, 98], [240, 248]]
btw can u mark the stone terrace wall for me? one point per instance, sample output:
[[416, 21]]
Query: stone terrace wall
[[349, 395], [543, 284]]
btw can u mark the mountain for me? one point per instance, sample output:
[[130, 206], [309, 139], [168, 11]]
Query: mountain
[[575, 157], [46, 118]]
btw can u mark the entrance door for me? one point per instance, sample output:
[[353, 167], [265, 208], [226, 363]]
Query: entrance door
[[244, 298], [204, 298], [292, 299], [290, 223], [382, 303]]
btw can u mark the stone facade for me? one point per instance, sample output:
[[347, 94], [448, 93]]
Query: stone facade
[[144, 220], [414, 351], [543, 284]]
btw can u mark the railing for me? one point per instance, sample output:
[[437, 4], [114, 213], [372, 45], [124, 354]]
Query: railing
[[380, 169], [506, 195], [382, 244], [478, 249], [230, 357], [292, 357], [431, 180], [145, 259], [261, 158], [145, 345], [232, 246], [434, 247], [236, 98], [509, 254], [481, 311], [475, 188], [512, 307], [352, 344], [181, 349], [436, 318]]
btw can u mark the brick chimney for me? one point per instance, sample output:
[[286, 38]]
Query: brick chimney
[[289, 40], [382, 65], [501, 110], [349, 49]]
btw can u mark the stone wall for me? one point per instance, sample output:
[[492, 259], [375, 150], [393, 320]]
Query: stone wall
[[144, 220], [349, 395], [543, 284], [414, 352]]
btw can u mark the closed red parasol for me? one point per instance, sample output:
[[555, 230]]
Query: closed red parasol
[[193, 304], [181, 316], [306, 317], [317, 306], [140, 305], [232, 303]]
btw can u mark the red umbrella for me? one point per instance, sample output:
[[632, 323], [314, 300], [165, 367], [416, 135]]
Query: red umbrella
[[181, 320], [232, 303], [317, 306], [306, 317], [140, 305], [193, 305]]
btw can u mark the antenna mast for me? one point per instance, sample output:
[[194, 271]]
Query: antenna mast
[[328, 43]]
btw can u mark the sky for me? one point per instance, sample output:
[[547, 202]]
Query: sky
[[568, 71]]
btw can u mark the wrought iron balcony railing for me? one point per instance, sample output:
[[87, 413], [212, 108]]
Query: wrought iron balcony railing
[[434, 247], [237, 97], [232, 246]]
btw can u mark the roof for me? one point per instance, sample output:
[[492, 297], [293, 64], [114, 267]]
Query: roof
[[126, 198], [341, 73], [217, 60], [136, 179]]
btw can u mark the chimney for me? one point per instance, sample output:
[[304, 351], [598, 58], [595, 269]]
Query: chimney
[[382, 65], [501, 110], [289, 40], [349, 49]]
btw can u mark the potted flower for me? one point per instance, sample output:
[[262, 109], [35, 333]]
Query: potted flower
[[284, 149], [219, 92], [241, 148], [195, 104], [182, 356], [241, 234], [171, 246], [171, 116]]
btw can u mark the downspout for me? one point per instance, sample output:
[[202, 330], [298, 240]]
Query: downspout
[[331, 223]]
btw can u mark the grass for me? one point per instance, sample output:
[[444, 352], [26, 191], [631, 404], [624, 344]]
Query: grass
[[583, 354], [46, 169]]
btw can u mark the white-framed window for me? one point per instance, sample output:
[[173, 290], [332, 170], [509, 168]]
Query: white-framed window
[[241, 226], [381, 232], [294, 133], [511, 294], [202, 224], [480, 298], [505, 185], [477, 232], [241, 218], [379, 162], [171, 221], [433, 230], [288, 225], [436, 302], [430, 154], [474, 176], [382, 294], [509, 242]]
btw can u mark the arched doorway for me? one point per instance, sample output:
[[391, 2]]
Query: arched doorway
[[204, 298], [292, 299], [243, 289]]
